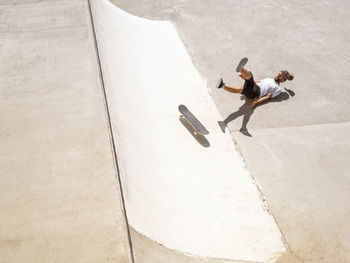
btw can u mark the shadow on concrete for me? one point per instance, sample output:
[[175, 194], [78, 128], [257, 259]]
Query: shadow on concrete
[[243, 110], [283, 96], [290, 92], [247, 113], [199, 137]]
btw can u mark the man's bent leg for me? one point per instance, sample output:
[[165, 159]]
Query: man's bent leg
[[233, 89]]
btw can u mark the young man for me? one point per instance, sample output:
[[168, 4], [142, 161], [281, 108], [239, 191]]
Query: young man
[[261, 90]]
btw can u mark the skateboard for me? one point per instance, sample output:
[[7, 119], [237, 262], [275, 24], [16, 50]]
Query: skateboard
[[241, 64], [195, 123]]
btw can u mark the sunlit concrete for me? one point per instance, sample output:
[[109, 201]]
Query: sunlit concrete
[[195, 199], [59, 196], [300, 141]]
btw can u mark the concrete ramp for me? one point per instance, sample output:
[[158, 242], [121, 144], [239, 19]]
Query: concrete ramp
[[195, 196]]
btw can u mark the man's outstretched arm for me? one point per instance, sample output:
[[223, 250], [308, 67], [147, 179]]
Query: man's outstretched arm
[[265, 98]]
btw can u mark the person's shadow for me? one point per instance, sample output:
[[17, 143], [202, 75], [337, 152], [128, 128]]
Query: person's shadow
[[247, 113]]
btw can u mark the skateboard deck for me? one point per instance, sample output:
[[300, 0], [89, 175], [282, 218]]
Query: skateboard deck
[[196, 124], [241, 64]]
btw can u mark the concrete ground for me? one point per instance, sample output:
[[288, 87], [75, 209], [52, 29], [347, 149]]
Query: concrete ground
[[60, 199], [55, 131], [298, 144]]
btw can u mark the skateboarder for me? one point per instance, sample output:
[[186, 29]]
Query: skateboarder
[[261, 90]]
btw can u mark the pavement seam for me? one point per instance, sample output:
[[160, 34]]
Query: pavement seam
[[264, 200], [257, 185], [110, 131], [261, 194]]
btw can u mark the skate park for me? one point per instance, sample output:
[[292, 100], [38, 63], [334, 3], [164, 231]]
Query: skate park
[[96, 165]]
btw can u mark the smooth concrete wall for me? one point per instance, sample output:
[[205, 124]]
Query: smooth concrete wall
[[59, 196], [196, 198]]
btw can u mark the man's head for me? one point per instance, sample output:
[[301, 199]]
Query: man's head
[[283, 75]]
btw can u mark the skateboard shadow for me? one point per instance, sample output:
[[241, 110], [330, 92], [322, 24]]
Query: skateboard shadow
[[199, 137], [247, 113]]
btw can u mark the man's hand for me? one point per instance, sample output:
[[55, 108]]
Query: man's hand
[[253, 104], [266, 97]]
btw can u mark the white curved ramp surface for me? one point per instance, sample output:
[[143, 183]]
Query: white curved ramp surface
[[199, 200]]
